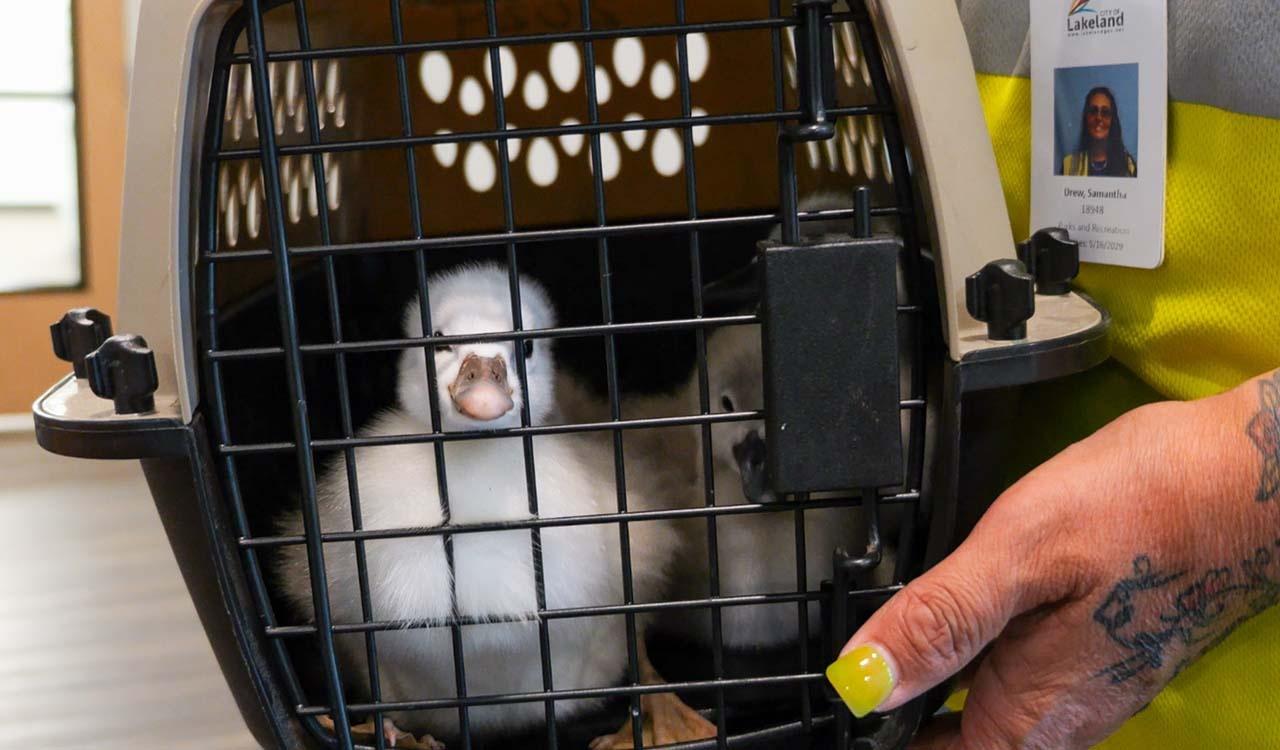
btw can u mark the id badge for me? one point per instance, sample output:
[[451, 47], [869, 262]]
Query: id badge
[[1099, 113]]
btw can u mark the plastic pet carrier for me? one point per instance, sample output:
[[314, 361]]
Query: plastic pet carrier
[[764, 246]]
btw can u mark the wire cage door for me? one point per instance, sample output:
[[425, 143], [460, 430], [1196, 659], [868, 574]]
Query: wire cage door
[[352, 151]]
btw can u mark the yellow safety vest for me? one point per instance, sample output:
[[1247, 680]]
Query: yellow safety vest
[[1205, 321]]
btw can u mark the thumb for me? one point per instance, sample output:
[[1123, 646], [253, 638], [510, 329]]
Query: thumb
[[932, 628]]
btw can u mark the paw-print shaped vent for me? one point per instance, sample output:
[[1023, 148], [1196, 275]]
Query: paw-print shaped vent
[[858, 148], [645, 72], [240, 187]]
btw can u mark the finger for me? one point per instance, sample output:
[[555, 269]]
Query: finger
[[1032, 692], [938, 623]]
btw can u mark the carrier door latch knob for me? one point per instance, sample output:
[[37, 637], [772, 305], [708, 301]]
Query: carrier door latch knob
[[80, 331], [1002, 295], [1053, 258], [124, 370]]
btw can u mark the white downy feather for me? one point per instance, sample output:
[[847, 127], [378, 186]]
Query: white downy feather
[[756, 553], [494, 572]]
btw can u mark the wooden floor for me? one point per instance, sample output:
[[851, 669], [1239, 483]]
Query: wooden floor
[[99, 644]]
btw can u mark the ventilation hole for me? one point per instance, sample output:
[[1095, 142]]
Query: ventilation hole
[[233, 91], [610, 157], [253, 212], [445, 153], [789, 54], [848, 144], [513, 144], [313, 199], [231, 223], [604, 86], [815, 158], [700, 132], [565, 63], [295, 202], [277, 114], [331, 73], [437, 76], [507, 61], [633, 139], [246, 91], [699, 56], [628, 60], [888, 165], [479, 169], [869, 166], [333, 184], [873, 131], [848, 44], [224, 185], [542, 163], [535, 91], [243, 180], [832, 150], [662, 80], [471, 96], [291, 88], [849, 72], [571, 144], [668, 155]]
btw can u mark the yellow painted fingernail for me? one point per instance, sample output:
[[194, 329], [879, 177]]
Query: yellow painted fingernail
[[862, 678]]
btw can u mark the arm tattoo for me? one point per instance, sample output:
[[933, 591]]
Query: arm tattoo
[[1153, 620], [1264, 431]]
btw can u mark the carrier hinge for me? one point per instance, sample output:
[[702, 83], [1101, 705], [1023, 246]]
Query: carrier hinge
[[815, 72]]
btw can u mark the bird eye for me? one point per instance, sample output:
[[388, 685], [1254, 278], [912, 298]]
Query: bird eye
[[442, 347], [727, 403], [528, 348]]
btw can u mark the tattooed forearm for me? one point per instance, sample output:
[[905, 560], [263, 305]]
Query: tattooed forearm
[[1156, 616], [1264, 430]]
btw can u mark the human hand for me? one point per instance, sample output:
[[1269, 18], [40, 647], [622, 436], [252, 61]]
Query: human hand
[[1093, 580]]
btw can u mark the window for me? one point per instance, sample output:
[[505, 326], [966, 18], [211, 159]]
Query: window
[[39, 201]]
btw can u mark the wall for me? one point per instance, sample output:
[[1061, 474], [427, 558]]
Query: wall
[[27, 365]]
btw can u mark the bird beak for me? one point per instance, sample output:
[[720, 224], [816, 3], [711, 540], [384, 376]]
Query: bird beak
[[480, 390], [750, 454]]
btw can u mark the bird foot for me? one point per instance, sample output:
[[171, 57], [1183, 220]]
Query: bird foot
[[666, 720], [395, 737]]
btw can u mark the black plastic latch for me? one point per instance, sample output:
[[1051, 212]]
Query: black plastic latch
[[1003, 295], [124, 370], [78, 333], [815, 71], [829, 326], [1053, 258]]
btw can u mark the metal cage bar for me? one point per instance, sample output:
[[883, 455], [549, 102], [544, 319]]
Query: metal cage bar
[[319, 171], [293, 367]]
